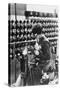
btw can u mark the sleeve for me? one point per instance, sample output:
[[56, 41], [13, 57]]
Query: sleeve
[[44, 53]]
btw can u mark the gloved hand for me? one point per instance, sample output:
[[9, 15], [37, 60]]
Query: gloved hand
[[36, 52], [45, 76], [44, 79]]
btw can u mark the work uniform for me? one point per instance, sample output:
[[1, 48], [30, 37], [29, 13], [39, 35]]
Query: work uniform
[[43, 60]]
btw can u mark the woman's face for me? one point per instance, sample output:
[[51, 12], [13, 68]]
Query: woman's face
[[37, 46], [38, 38]]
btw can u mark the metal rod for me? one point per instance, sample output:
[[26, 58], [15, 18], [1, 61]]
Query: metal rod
[[23, 42], [15, 43], [9, 61]]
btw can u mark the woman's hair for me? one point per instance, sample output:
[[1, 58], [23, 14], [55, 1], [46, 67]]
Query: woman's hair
[[37, 29]]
